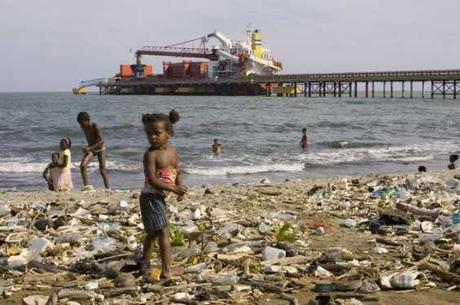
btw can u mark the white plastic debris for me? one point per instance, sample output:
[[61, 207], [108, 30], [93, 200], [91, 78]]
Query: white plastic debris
[[269, 253], [321, 272], [91, 285], [407, 279], [380, 250], [349, 223]]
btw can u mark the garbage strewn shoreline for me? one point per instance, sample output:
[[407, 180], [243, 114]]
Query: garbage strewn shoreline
[[354, 240]]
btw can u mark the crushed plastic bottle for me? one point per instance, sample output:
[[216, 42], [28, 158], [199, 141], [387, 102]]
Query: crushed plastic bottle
[[39, 245], [104, 244], [109, 227]]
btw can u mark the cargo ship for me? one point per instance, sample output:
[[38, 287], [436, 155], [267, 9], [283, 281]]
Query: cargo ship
[[228, 59]]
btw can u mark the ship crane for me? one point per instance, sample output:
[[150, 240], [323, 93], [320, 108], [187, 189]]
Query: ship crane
[[181, 49], [230, 58]]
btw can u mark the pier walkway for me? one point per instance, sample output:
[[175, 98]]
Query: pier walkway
[[390, 84]]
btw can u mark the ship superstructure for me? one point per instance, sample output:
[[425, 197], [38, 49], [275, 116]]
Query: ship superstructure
[[241, 58], [224, 58], [228, 58]]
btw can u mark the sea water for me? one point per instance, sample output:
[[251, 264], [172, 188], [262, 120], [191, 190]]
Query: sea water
[[260, 136]]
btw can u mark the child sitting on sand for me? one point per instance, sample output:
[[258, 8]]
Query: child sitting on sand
[[452, 159], [64, 179], [162, 174], [51, 171]]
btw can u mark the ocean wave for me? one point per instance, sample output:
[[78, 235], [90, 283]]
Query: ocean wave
[[245, 169], [348, 144], [24, 165], [399, 154], [334, 124]]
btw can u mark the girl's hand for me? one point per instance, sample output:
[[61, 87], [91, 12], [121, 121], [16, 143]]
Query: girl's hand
[[180, 190]]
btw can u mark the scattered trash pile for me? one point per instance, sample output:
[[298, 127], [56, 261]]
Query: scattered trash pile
[[241, 244]]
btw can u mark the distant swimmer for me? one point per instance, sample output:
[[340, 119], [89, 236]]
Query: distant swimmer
[[303, 141], [216, 148], [96, 147], [452, 159]]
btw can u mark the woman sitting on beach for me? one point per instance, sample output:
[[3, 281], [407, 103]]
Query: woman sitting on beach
[[64, 179]]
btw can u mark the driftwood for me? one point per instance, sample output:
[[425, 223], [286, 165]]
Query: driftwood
[[113, 292], [288, 260], [263, 285], [270, 192], [419, 211], [292, 299], [388, 242], [78, 294], [445, 275]]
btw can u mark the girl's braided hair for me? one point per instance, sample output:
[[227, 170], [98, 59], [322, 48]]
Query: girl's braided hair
[[169, 120]]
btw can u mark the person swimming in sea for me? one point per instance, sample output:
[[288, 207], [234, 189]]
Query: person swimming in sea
[[216, 148], [95, 147], [303, 141], [452, 160], [162, 174]]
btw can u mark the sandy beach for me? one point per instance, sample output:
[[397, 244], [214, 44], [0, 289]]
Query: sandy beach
[[244, 217]]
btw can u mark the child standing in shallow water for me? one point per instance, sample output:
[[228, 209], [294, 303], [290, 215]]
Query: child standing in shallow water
[[51, 172], [303, 141], [64, 179], [161, 174]]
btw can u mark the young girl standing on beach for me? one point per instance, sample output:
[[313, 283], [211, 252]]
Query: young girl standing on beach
[[161, 174], [51, 172], [64, 180]]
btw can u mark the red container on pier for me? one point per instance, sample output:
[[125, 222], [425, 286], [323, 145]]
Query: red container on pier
[[199, 69], [185, 69], [126, 71], [148, 70]]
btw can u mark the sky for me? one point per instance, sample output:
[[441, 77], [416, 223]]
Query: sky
[[50, 45]]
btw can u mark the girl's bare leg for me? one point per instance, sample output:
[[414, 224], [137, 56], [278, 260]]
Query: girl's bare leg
[[165, 252], [148, 248]]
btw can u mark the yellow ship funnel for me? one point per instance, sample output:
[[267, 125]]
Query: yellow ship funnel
[[256, 44]]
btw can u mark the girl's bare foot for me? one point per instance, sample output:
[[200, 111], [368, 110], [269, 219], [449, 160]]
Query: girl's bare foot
[[173, 271]]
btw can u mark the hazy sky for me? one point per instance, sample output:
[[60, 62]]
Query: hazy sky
[[49, 45]]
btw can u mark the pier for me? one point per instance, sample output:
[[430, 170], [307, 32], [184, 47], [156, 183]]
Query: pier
[[392, 84]]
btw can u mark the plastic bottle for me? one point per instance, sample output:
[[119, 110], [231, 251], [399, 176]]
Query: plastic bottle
[[456, 218]]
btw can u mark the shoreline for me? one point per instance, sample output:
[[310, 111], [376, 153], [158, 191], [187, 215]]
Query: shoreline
[[275, 177], [239, 216]]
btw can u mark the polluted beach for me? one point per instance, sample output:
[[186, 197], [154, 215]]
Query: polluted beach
[[290, 153], [363, 240]]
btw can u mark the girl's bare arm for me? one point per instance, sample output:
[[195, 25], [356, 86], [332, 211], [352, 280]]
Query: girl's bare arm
[[150, 166], [65, 160]]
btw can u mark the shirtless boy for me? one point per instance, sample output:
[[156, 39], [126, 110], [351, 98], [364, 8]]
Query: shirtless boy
[[95, 147]]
